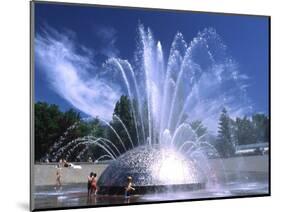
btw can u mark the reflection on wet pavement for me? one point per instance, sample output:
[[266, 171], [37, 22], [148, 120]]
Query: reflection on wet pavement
[[73, 195]]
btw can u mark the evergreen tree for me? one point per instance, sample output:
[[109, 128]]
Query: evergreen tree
[[198, 127], [123, 111], [225, 143], [260, 127], [245, 131]]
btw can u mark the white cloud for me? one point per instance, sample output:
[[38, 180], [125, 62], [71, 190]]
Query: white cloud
[[107, 36], [68, 73]]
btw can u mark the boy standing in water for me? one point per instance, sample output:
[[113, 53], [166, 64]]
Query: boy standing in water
[[90, 178], [129, 187]]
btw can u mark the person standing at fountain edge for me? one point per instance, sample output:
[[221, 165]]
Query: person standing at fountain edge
[[129, 187], [93, 187], [59, 174], [90, 178], [58, 177]]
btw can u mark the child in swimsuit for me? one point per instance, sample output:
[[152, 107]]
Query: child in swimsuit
[[129, 187], [94, 187], [90, 178]]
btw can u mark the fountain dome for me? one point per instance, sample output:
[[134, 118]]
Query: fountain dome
[[154, 168]]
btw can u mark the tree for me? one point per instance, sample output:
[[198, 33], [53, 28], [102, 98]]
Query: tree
[[225, 142], [50, 124], [198, 127], [47, 129], [245, 132], [260, 127], [123, 112], [92, 128]]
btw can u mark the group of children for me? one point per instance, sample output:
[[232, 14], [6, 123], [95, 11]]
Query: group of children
[[92, 180], [92, 185]]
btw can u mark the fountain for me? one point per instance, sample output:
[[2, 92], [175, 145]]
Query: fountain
[[195, 83], [172, 154], [153, 169]]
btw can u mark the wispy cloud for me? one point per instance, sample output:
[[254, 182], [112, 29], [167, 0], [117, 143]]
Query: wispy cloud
[[67, 67], [108, 36]]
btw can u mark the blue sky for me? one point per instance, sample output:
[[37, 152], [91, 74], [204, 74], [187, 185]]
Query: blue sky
[[101, 33]]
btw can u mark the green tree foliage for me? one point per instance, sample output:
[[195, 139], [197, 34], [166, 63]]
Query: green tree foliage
[[225, 141], [242, 131], [50, 123], [260, 124], [123, 111], [92, 128], [245, 133], [198, 127], [252, 131], [51, 126]]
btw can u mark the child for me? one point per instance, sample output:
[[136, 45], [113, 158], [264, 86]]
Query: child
[[94, 184], [58, 177], [90, 178], [129, 187]]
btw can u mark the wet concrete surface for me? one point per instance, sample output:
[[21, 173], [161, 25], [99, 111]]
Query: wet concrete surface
[[75, 195]]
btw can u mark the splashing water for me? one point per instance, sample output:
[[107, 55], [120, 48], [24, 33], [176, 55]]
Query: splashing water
[[194, 83]]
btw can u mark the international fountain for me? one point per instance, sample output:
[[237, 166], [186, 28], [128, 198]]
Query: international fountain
[[195, 83]]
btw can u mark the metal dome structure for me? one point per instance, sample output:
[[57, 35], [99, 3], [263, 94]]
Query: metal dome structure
[[153, 169]]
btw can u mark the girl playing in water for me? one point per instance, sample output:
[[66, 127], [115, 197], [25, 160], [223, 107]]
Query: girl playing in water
[[94, 184], [129, 187]]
